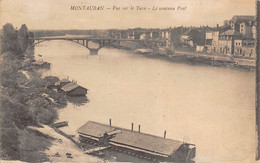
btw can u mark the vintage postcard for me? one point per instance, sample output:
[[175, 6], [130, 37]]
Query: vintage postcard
[[129, 81]]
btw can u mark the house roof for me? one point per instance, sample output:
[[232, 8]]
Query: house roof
[[220, 29], [70, 86], [139, 140], [231, 33], [39, 62], [63, 81], [51, 79], [242, 18]]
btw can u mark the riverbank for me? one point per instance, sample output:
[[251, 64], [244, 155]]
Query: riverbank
[[61, 145], [26, 110], [193, 58]]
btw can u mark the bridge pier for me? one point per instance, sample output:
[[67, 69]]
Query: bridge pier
[[93, 51]]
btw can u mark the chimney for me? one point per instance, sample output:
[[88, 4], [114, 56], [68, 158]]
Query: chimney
[[110, 122], [139, 128], [132, 127], [164, 134], [217, 25]]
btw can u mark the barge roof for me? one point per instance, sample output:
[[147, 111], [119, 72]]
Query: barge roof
[[133, 139]]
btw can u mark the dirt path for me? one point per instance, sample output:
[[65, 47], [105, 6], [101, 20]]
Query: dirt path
[[63, 145]]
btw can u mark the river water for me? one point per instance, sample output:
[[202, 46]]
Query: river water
[[211, 107]]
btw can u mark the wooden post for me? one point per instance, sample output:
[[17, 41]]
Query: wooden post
[[139, 128], [110, 122], [132, 127], [164, 134]]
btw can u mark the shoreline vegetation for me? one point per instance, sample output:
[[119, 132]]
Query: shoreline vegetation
[[191, 58], [22, 103], [26, 113]]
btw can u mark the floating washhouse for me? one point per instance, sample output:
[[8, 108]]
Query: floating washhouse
[[73, 89], [41, 64], [51, 81], [62, 83], [136, 143]]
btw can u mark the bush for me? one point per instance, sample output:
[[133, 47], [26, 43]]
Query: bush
[[42, 111]]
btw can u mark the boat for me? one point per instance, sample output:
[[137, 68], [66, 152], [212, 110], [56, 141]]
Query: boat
[[143, 51], [60, 124]]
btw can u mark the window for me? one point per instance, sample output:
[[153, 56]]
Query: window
[[241, 30], [236, 43], [241, 25]]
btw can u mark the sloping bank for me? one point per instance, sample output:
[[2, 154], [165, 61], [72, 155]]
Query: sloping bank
[[191, 58], [23, 105]]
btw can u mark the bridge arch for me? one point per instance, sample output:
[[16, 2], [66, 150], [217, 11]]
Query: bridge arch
[[82, 42], [152, 44]]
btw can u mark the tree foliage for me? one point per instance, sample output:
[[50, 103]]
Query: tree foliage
[[20, 104], [23, 37], [42, 110], [9, 40]]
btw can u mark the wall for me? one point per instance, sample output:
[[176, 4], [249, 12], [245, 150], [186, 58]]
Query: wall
[[77, 92], [225, 47]]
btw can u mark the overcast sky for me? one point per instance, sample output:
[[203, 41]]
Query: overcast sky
[[57, 14]]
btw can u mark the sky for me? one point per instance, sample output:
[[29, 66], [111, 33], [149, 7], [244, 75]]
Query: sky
[[57, 14]]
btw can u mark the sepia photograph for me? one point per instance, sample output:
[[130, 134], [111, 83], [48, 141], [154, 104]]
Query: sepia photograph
[[91, 81]]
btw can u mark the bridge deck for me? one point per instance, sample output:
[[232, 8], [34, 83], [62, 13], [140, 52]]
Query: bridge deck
[[89, 37]]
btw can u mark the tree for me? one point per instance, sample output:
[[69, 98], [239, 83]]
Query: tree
[[42, 111], [23, 37], [31, 35], [9, 40]]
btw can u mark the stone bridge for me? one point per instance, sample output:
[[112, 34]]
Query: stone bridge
[[85, 39]]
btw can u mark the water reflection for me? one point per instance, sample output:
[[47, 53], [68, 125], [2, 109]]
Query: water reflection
[[77, 100]]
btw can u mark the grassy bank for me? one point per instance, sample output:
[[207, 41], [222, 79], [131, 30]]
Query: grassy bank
[[23, 105]]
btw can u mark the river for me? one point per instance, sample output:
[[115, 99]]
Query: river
[[211, 107]]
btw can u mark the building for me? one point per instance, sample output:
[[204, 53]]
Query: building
[[211, 42], [62, 83], [238, 19], [227, 22], [41, 64], [135, 143], [155, 34], [194, 37], [219, 40], [186, 38], [167, 35], [73, 89], [246, 29], [226, 41], [245, 47], [51, 81], [233, 41]]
